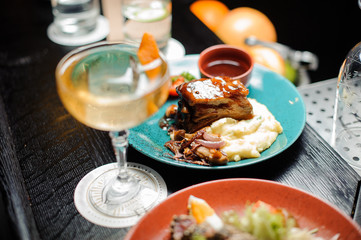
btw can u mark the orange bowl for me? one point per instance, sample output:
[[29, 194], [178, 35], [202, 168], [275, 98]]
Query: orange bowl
[[234, 193]]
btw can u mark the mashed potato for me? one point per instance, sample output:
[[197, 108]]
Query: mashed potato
[[248, 138]]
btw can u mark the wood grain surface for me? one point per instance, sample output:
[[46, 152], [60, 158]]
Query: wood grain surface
[[45, 152]]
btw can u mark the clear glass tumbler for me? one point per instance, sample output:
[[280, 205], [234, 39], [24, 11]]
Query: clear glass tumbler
[[77, 22], [346, 134], [152, 16]]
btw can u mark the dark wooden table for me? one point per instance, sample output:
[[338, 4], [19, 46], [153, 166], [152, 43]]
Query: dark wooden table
[[44, 152]]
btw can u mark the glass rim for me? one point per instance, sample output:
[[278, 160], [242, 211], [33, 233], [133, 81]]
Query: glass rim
[[60, 66]]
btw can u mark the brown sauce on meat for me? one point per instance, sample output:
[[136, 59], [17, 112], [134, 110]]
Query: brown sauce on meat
[[211, 89]]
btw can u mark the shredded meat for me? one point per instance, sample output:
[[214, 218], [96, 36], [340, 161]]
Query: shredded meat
[[184, 226], [186, 148], [212, 155]]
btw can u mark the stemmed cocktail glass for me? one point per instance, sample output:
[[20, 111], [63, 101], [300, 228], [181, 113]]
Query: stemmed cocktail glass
[[104, 86]]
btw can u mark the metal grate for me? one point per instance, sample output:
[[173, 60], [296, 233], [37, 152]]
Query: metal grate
[[319, 100]]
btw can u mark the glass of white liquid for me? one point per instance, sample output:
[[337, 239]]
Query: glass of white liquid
[[77, 22], [152, 16], [104, 86]]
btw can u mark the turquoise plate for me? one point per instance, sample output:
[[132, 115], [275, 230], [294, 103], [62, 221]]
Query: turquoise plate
[[267, 87]]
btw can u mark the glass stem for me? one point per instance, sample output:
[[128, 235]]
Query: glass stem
[[120, 145], [123, 187]]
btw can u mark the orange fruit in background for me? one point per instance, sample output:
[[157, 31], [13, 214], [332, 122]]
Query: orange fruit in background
[[243, 22], [269, 58], [209, 12]]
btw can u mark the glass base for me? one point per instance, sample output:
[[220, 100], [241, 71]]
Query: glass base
[[116, 191], [88, 196], [99, 33], [348, 145]]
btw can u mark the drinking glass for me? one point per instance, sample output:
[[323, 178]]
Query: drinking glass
[[77, 22], [152, 16], [104, 86], [346, 132]]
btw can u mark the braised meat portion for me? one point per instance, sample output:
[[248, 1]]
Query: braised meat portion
[[205, 100]]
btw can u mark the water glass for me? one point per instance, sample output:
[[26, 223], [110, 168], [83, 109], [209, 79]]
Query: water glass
[[346, 134], [152, 16], [75, 17]]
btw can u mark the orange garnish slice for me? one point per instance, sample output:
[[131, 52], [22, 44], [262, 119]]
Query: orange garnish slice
[[148, 52]]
